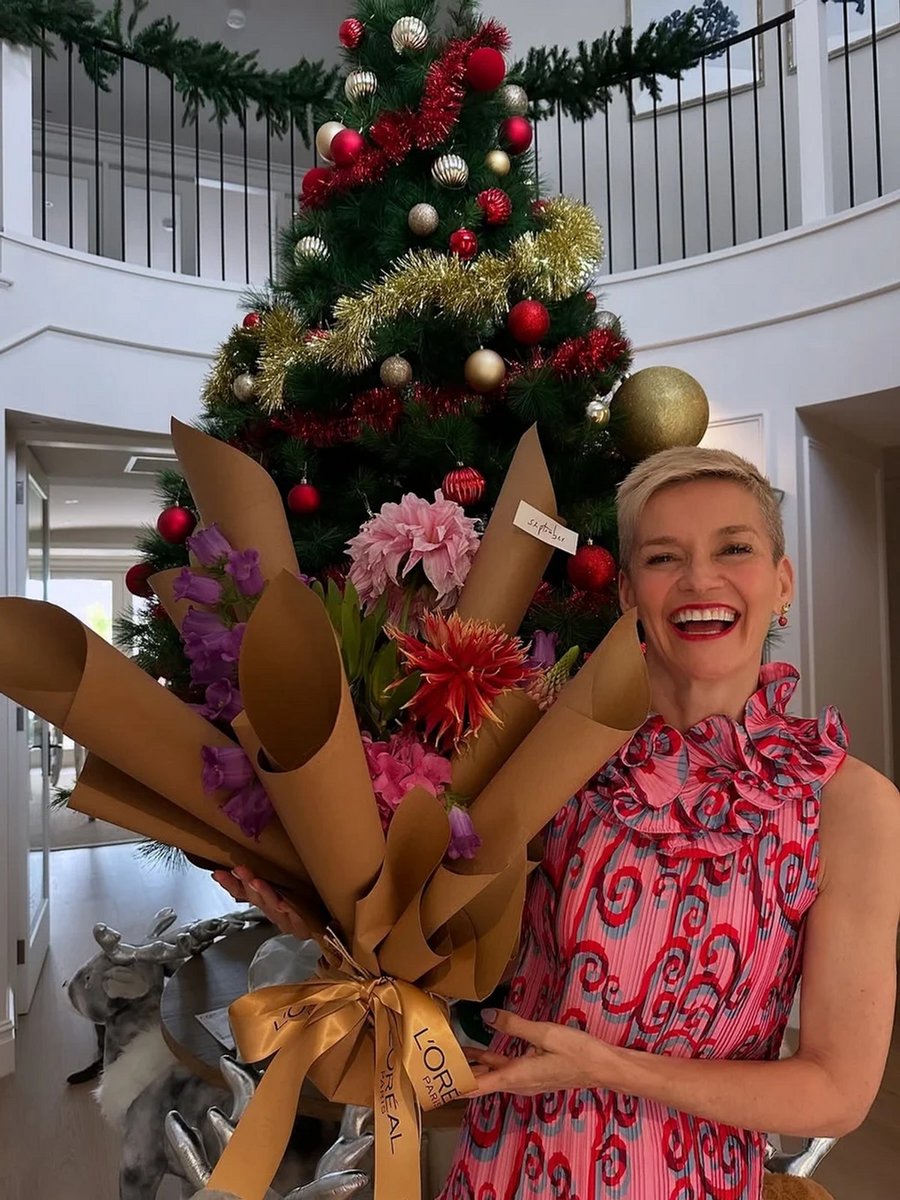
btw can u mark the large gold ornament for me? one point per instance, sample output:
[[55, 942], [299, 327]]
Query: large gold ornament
[[396, 372], [324, 136], [497, 162], [359, 84], [310, 247], [484, 370], [515, 99], [409, 33], [657, 408], [423, 219], [450, 171]]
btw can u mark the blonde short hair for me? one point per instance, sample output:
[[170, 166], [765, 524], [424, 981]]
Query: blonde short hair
[[684, 464]]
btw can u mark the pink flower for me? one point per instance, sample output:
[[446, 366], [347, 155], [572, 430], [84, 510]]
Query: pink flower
[[400, 764], [434, 534]]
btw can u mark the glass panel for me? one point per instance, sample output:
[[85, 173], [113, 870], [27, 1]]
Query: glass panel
[[44, 742], [90, 600]]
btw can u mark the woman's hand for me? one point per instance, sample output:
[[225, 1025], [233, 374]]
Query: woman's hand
[[241, 884], [558, 1058]]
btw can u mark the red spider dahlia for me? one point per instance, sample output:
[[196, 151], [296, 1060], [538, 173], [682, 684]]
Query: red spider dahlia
[[465, 667]]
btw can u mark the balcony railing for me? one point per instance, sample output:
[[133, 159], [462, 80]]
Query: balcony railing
[[774, 128]]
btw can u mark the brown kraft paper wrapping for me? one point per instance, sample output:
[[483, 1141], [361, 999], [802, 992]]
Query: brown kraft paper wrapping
[[237, 494], [106, 703]]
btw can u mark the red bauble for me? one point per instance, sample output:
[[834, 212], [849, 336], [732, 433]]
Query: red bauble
[[304, 498], [350, 33], [136, 580], [516, 134], [176, 524], [313, 183], [496, 206], [528, 322], [538, 207], [346, 147], [590, 299], [464, 243], [486, 69], [251, 320], [465, 485], [591, 568]]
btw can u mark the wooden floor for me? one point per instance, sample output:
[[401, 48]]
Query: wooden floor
[[53, 1143]]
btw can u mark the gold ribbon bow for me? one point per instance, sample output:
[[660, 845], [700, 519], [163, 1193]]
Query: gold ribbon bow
[[418, 1064]]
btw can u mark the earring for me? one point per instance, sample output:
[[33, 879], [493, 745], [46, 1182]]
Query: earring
[[783, 619]]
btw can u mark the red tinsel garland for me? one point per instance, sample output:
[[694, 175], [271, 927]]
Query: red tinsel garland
[[396, 133], [591, 354]]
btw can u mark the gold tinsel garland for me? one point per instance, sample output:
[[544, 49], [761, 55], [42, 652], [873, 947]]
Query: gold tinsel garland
[[548, 265]]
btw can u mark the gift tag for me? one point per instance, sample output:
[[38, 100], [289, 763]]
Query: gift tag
[[544, 528]]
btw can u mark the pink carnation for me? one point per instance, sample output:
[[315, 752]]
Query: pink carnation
[[400, 764], [437, 534]]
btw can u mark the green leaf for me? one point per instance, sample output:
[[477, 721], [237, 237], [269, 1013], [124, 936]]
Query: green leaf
[[333, 600], [351, 622], [397, 697], [385, 671]]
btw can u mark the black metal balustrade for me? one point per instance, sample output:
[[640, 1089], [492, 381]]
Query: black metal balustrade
[[711, 164]]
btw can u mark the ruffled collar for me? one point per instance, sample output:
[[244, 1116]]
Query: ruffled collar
[[703, 792]]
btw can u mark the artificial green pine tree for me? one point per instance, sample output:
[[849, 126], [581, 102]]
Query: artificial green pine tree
[[420, 245]]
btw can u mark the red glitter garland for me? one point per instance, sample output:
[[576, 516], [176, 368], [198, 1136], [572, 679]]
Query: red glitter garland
[[591, 354], [396, 133]]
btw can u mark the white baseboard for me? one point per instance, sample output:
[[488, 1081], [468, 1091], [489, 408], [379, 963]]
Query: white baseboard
[[8, 1034]]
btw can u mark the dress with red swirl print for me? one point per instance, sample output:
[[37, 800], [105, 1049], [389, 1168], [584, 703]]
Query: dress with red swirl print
[[667, 916]]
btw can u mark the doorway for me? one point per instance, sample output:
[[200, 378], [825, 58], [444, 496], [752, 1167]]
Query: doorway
[[849, 475], [80, 496]]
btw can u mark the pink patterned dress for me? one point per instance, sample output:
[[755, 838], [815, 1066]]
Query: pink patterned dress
[[667, 916]]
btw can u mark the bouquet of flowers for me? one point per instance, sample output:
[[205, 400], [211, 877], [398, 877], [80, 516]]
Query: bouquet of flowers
[[382, 749]]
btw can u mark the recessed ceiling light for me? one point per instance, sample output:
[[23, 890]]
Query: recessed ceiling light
[[168, 224], [236, 18], [71, 501]]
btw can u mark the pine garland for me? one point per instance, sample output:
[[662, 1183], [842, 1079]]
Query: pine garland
[[208, 73]]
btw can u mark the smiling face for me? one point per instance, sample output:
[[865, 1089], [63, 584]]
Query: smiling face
[[704, 582]]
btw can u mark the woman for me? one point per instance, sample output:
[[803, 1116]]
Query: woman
[[726, 848]]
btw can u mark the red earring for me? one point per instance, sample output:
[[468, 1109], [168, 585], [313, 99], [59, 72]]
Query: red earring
[[783, 619]]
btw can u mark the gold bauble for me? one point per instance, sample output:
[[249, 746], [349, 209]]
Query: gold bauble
[[359, 84], [244, 386], [515, 99], [396, 372], [409, 33], [450, 171], [497, 162], [598, 411], [310, 247], [423, 219], [657, 408], [324, 136], [484, 370]]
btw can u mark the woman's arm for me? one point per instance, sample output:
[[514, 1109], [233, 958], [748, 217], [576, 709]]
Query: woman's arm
[[847, 1002]]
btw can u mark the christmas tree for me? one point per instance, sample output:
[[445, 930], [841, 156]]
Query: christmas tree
[[428, 309]]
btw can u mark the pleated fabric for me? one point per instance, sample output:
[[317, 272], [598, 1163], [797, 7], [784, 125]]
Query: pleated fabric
[[667, 916]]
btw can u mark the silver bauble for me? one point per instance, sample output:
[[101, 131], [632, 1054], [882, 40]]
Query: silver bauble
[[244, 386], [324, 135], [423, 219], [310, 247], [396, 372], [606, 320], [515, 99], [359, 84], [409, 33], [450, 171]]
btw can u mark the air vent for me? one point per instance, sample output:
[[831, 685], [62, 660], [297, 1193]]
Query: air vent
[[145, 464]]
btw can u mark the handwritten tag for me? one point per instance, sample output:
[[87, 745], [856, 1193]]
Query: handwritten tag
[[544, 528]]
